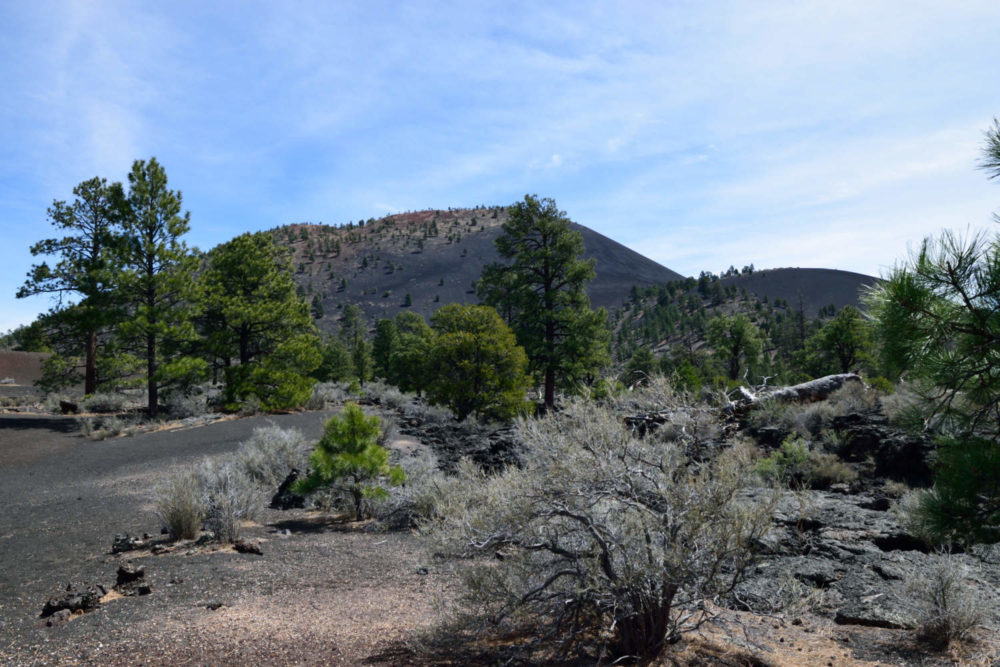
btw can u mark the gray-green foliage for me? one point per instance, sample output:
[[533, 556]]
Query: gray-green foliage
[[224, 491], [105, 402], [947, 605], [230, 496], [416, 499], [271, 453], [601, 541], [179, 504]]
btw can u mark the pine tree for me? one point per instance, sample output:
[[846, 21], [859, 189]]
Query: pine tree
[[541, 292], [256, 325], [386, 339], [736, 340], [408, 362], [476, 364], [349, 450], [87, 268], [157, 285]]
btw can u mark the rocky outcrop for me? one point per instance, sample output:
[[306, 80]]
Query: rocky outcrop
[[131, 580], [894, 454], [73, 601], [849, 558], [491, 448]]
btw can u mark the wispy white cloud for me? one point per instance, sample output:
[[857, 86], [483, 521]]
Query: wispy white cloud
[[702, 135]]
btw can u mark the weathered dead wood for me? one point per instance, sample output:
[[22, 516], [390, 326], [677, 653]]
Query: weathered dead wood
[[806, 392], [746, 399], [814, 390]]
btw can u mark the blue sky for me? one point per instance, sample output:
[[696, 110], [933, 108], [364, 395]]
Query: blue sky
[[701, 134]]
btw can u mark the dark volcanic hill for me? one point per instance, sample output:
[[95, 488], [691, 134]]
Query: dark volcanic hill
[[814, 288], [431, 258]]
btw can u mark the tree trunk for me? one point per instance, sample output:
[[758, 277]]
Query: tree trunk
[[550, 361], [358, 498], [151, 386], [90, 373]]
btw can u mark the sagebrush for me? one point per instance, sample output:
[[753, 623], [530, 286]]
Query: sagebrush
[[603, 542]]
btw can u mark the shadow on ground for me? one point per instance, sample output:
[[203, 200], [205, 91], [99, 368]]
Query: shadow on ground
[[54, 424]]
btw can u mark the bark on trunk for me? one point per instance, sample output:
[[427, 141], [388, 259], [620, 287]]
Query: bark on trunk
[[151, 386], [90, 373]]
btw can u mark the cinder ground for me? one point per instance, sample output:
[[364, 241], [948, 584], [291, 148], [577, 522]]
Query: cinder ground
[[327, 593], [324, 592]]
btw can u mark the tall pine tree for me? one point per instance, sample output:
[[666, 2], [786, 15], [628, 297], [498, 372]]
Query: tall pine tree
[[255, 324], [157, 284], [541, 290], [85, 271]]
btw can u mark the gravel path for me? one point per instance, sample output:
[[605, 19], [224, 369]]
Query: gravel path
[[322, 593]]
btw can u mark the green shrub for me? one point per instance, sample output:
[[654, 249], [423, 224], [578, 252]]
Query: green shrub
[[349, 454], [786, 463], [795, 463], [964, 505], [882, 384]]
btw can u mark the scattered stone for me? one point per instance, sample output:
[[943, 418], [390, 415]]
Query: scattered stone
[[213, 605], [422, 570], [876, 613], [247, 547], [59, 617], [129, 573], [73, 601], [489, 447], [158, 549], [131, 581], [124, 542], [285, 498]]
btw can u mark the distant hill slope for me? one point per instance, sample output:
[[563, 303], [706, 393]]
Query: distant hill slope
[[815, 287], [434, 258]]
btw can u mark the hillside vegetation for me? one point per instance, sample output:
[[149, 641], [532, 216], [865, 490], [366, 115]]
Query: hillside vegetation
[[434, 258]]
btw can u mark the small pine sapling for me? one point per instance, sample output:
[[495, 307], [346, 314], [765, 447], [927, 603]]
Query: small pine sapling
[[349, 451]]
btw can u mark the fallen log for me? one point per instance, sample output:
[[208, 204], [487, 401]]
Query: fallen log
[[814, 390], [806, 392]]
